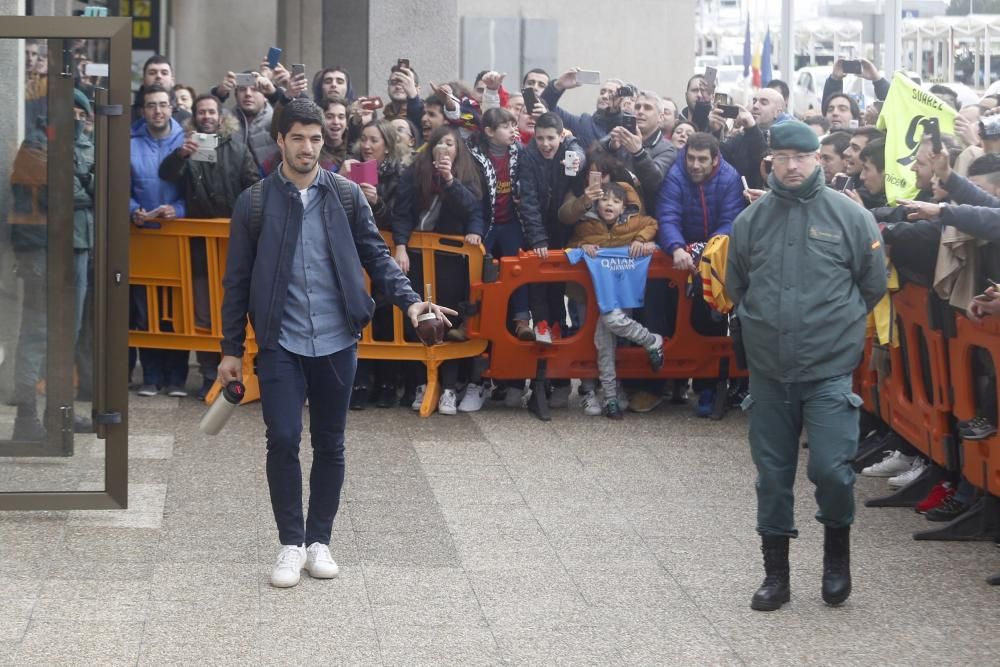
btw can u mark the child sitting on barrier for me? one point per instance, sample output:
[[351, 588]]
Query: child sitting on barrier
[[619, 277]]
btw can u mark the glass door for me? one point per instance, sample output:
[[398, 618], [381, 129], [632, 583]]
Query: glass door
[[63, 270]]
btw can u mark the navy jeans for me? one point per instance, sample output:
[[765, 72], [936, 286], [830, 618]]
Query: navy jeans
[[505, 241], [286, 380]]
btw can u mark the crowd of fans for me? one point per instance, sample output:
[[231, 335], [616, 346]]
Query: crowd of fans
[[508, 167]]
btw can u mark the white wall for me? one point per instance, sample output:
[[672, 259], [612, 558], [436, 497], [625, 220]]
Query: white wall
[[650, 43]]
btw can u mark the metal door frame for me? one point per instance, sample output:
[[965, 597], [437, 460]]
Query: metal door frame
[[111, 234]]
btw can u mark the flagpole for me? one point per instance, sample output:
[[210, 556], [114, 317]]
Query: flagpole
[[788, 49]]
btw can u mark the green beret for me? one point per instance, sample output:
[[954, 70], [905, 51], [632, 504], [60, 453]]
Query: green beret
[[80, 100], [794, 135]]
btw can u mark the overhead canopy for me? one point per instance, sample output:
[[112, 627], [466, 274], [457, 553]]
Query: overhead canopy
[[940, 26]]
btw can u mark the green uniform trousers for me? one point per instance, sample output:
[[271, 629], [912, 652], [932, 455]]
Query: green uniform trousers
[[829, 411]]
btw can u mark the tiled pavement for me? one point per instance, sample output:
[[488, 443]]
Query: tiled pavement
[[484, 539]]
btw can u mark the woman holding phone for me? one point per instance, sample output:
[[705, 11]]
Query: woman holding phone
[[378, 144], [440, 192]]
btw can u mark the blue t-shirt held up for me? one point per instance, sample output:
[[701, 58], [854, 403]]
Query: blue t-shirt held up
[[619, 280]]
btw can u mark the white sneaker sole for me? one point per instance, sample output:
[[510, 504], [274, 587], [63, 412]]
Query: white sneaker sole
[[286, 584], [891, 473], [321, 575]]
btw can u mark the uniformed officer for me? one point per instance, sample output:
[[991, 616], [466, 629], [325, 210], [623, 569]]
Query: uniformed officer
[[805, 267]]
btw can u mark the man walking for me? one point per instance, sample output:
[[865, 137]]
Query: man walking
[[805, 267], [295, 268]]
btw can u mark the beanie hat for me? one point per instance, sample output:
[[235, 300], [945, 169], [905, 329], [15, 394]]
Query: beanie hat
[[794, 135], [80, 100]]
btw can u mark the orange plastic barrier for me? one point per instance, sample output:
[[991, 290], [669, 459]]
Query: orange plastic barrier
[[980, 459], [922, 421], [687, 354], [161, 262]]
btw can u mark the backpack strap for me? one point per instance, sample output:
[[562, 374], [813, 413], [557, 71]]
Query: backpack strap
[[346, 196], [256, 211]]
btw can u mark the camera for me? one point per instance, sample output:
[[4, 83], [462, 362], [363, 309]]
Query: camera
[[851, 66], [246, 80], [627, 90], [989, 127]]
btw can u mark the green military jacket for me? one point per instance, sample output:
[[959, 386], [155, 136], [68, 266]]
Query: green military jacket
[[805, 267]]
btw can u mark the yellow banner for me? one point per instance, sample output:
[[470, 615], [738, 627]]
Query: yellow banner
[[906, 109]]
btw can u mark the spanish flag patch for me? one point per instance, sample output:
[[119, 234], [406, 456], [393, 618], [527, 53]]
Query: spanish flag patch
[[876, 245]]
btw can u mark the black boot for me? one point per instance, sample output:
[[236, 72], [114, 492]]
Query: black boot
[[775, 591], [836, 565], [359, 398], [27, 425]]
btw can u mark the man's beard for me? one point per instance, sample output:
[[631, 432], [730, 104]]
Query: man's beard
[[293, 164]]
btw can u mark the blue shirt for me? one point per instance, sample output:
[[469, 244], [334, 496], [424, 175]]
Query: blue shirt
[[619, 280], [313, 324]]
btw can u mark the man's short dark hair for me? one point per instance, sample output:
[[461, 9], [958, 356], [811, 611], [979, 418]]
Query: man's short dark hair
[[987, 165], [156, 59], [150, 90], [479, 77], [688, 86], [781, 87], [940, 89], [819, 121], [874, 153], [839, 141], [537, 70], [703, 141], [300, 110], [333, 99], [855, 109], [433, 101], [870, 133], [551, 121], [207, 96]]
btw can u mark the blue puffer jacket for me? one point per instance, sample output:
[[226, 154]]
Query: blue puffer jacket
[[148, 189], [690, 212]]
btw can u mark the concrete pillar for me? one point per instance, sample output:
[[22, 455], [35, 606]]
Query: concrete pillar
[[367, 36], [300, 33], [224, 35], [345, 41]]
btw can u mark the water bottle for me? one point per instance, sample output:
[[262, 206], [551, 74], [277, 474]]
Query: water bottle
[[223, 407]]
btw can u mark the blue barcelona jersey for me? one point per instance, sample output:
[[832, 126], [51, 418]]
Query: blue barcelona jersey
[[619, 280]]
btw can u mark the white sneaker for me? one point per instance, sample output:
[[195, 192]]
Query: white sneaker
[[475, 396], [514, 398], [319, 562], [559, 397], [902, 479], [592, 406], [288, 567], [446, 405], [893, 464], [419, 398]]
